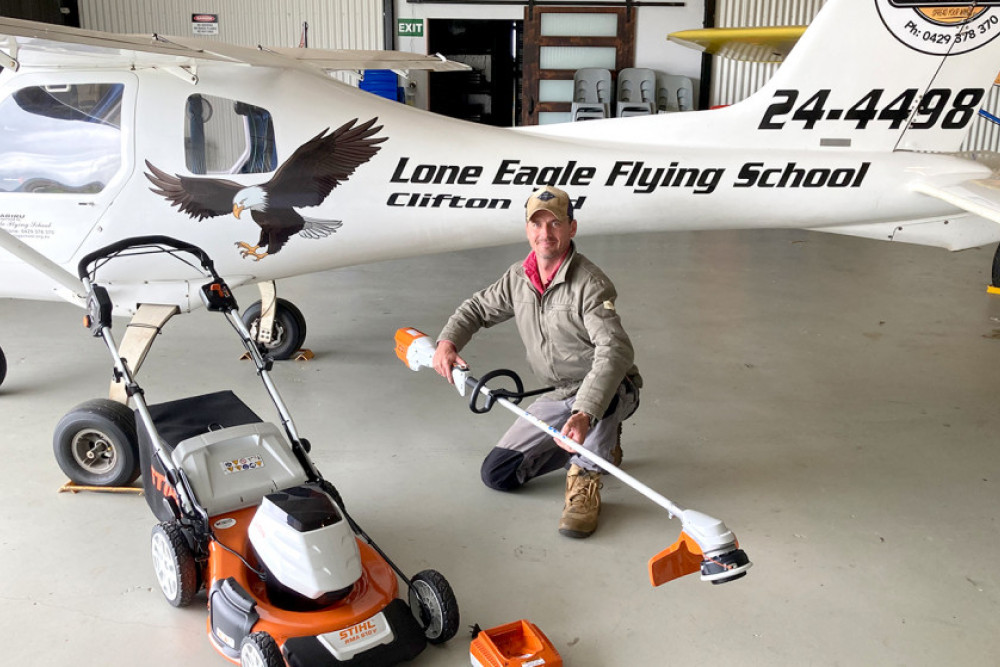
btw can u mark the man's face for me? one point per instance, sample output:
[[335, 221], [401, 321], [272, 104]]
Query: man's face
[[549, 237]]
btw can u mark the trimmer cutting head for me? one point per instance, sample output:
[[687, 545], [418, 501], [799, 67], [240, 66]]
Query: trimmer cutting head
[[725, 567], [685, 556]]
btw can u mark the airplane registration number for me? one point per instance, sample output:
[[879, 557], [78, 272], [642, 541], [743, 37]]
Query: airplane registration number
[[935, 107]]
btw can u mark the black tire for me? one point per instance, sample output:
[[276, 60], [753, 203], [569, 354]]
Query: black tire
[[173, 563], [95, 444], [434, 606], [996, 268], [289, 328], [3, 367], [260, 650]]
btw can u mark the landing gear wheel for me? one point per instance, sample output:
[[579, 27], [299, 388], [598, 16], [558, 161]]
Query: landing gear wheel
[[96, 445], [260, 650], [434, 606], [3, 367], [174, 564], [289, 328]]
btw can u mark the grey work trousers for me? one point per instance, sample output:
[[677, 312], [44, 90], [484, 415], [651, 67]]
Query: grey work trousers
[[525, 451]]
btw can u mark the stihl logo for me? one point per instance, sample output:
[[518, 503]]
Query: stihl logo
[[160, 482], [359, 631]]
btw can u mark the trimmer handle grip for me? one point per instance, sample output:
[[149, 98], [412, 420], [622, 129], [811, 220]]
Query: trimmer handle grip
[[491, 396]]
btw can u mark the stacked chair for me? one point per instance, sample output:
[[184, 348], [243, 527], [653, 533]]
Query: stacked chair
[[636, 92], [591, 93], [673, 93], [641, 91]]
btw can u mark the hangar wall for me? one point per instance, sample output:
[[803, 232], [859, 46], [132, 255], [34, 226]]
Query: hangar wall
[[343, 24], [984, 134], [651, 46], [734, 81]]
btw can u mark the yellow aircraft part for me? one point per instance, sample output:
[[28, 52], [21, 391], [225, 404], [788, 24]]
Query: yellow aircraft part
[[765, 44], [768, 44]]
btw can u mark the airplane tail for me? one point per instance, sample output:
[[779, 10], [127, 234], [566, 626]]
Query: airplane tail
[[876, 75]]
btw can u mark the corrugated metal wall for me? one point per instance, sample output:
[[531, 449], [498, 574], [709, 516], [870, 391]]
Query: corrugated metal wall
[[985, 134], [333, 24], [734, 81]]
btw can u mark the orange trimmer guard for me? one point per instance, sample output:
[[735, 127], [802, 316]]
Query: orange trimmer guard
[[682, 557], [517, 644]]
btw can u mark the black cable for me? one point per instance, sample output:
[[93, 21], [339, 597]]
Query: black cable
[[262, 575]]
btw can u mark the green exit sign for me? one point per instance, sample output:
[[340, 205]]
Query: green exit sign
[[409, 27]]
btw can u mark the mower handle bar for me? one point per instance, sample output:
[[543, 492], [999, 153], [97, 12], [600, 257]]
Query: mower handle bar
[[117, 247]]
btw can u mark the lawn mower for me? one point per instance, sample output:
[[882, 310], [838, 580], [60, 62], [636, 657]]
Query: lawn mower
[[290, 577], [705, 543]]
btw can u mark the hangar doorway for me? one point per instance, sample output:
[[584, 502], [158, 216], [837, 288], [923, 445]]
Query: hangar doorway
[[491, 92]]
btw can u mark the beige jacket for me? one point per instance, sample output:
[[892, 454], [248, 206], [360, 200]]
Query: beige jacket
[[572, 333]]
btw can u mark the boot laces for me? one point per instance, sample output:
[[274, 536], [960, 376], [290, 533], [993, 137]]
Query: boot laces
[[585, 488]]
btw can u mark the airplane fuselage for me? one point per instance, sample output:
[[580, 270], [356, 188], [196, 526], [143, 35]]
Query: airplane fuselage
[[125, 136]]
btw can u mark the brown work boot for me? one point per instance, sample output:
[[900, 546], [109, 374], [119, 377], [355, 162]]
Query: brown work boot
[[616, 453], [583, 503]]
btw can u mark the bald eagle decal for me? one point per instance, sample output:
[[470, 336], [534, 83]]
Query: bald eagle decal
[[304, 179]]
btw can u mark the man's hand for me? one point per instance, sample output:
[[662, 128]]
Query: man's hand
[[576, 429], [445, 358]]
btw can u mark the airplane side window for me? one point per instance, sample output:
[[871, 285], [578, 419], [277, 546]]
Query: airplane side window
[[224, 136], [61, 138]]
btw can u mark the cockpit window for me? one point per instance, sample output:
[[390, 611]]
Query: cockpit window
[[61, 139], [224, 136]]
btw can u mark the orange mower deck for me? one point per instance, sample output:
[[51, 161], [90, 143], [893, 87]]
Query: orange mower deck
[[372, 593]]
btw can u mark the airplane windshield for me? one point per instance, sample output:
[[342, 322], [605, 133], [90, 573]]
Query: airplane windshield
[[60, 139]]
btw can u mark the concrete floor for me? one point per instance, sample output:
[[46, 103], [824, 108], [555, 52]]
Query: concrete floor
[[833, 400]]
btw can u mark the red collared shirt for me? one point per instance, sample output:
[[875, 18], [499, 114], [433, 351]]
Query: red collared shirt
[[534, 275]]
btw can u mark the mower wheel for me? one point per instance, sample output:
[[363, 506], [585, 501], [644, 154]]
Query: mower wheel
[[95, 444], [434, 605], [289, 328], [260, 650], [174, 564], [3, 367]]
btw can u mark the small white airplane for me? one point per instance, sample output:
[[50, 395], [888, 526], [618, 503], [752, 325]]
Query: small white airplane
[[276, 169]]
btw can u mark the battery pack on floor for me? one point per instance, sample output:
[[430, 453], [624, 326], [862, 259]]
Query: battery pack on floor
[[517, 644]]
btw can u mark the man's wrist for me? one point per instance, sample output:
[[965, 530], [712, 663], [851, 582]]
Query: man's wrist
[[590, 418]]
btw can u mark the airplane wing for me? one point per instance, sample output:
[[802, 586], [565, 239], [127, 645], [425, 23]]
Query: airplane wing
[[180, 51], [765, 44], [977, 196], [359, 59]]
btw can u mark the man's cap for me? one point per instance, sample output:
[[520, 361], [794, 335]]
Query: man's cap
[[549, 199]]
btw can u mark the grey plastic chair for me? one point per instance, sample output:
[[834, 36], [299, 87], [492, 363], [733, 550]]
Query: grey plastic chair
[[636, 92], [673, 93], [591, 93]]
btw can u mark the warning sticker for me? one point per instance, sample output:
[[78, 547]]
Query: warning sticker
[[242, 464]]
